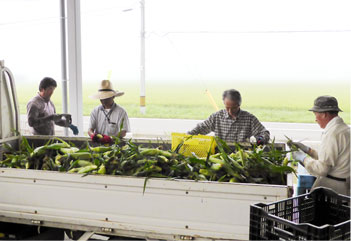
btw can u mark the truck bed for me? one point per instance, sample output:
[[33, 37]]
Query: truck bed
[[116, 205]]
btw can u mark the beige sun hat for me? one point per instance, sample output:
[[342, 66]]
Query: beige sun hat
[[106, 91]]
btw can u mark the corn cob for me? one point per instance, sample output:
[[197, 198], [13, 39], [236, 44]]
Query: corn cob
[[81, 155], [69, 150], [102, 169], [216, 166], [205, 172], [39, 150], [73, 170], [87, 169], [149, 152], [83, 163], [100, 149], [57, 146]]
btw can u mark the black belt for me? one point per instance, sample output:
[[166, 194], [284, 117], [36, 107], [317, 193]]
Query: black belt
[[337, 178]]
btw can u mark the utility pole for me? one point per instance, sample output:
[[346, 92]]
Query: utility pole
[[142, 57]]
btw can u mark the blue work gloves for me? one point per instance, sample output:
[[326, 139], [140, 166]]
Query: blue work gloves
[[74, 129]]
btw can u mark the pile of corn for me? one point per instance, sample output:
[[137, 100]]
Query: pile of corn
[[257, 165]]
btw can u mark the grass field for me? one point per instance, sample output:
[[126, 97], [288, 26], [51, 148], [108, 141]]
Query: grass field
[[269, 102]]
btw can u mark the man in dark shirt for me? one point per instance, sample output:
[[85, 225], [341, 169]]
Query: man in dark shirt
[[233, 124], [41, 112]]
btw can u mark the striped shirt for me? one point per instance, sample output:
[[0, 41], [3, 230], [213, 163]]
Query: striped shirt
[[108, 123], [231, 130]]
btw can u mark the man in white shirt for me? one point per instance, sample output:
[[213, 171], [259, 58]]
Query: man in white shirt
[[106, 119], [331, 164]]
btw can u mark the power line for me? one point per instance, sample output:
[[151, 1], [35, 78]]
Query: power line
[[163, 34]]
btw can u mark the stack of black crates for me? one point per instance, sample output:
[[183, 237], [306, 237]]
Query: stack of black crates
[[319, 215]]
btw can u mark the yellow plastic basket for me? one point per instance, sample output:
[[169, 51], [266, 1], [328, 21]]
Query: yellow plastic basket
[[198, 144]]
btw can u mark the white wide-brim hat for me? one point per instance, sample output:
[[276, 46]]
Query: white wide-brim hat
[[106, 91]]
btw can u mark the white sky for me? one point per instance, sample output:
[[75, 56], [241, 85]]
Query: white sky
[[186, 40]]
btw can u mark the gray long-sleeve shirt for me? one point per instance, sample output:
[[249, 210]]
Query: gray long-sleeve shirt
[[232, 130], [37, 109]]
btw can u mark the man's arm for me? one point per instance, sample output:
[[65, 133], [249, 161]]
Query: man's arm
[[316, 167], [327, 156], [92, 124], [33, 116], [126, 124], [90, 132], [64, 122], [204, 127], [258, 130]]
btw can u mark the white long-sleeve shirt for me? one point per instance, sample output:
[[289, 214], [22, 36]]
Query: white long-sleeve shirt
[[334, 151]]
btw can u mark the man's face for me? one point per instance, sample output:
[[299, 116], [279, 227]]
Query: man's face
[[47, 93], [107, 103], [321, 119], [231, 106]]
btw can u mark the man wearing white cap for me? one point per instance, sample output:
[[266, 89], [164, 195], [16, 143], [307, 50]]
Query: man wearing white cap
[[331, 164], [106, 119]]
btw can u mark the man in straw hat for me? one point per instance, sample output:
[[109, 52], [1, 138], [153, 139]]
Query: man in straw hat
[[331, 164], [106, 119]]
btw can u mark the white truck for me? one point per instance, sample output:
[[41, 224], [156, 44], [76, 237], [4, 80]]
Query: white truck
[[116, 205]]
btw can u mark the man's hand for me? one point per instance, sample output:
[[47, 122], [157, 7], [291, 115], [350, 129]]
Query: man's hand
[[106, 139], [58, 117], [68, 120], [260, 140], [299, 156], [301, 146], [55, 117], [96, 137], [103, 139], [74, 129]]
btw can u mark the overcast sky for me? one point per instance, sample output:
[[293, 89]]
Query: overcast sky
[[211, 40]]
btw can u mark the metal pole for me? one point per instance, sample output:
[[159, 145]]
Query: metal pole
[[63, 59], [75, 63], [142, 57]]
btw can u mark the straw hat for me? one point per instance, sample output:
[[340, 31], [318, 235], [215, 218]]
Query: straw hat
[[106, 91]]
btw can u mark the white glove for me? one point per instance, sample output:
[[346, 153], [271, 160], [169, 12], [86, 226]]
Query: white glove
[[299, 156]]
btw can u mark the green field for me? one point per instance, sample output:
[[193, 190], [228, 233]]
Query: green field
[[269, 102]]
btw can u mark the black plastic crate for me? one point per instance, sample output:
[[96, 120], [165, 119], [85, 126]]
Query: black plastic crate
[[319, 215]]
